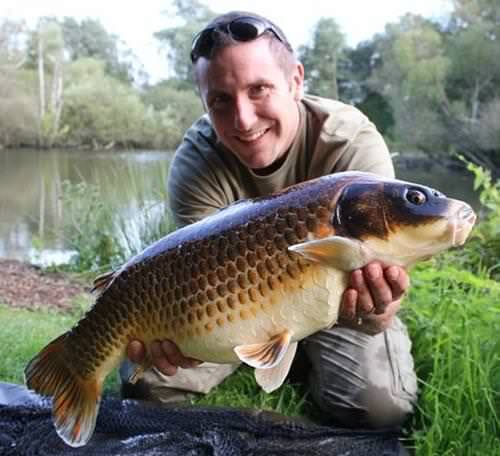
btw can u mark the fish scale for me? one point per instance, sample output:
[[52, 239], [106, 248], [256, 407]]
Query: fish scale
[[244, 285]]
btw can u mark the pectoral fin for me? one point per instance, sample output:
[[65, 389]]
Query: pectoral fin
[[335, 252], [271, 379], [264, 355]]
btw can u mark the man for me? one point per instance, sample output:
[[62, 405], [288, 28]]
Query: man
[[261, 135]]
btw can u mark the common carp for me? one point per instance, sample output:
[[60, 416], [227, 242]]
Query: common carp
[[245, 284]]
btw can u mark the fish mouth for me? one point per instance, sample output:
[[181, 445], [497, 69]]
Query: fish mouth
[[461, 225]]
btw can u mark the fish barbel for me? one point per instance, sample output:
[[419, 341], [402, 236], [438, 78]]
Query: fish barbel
[[245, 284]]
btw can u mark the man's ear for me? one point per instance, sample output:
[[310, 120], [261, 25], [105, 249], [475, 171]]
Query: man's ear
[[297, 82]]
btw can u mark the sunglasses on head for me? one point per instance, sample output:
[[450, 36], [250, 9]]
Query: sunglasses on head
[[243, 28]]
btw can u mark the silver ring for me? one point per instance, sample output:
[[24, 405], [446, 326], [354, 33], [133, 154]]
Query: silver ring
[[360, 321]]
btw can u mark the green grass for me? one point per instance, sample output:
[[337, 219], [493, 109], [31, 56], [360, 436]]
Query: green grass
[[25, 332], [22, 335], [241, 390], [454, 320]]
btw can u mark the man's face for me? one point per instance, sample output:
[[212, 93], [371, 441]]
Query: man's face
[[251, 102]]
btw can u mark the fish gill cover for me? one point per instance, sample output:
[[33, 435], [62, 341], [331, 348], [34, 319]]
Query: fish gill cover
[[135, 428]]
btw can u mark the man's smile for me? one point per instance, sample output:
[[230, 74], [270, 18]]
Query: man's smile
[[253, 136]]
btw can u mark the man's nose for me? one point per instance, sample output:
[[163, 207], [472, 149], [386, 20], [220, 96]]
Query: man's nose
[[244, 115]]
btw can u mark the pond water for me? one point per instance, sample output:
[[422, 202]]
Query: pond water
[[31, 181]]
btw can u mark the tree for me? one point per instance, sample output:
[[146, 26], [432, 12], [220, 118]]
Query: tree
[[411, 74], [321, 59], [50, 53], [18, 106], [100, 110], [182, 104], [177, 39], [12, 54], [90, 39]]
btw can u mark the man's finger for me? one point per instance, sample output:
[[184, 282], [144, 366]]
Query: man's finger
[[365, 304], [398, 279], [348, 306], [162, 362], [176, 357], [136, 351], [380, 290]]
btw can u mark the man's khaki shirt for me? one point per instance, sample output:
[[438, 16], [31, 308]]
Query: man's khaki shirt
[[332, 137]]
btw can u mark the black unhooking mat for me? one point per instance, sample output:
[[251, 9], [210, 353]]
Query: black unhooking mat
[[136, 428]]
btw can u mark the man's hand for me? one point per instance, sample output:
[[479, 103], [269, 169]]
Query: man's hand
[[165, 356], [373, 298]]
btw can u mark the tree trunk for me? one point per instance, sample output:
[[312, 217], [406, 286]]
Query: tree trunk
[[41, 82], [57, 96], [475, 102]]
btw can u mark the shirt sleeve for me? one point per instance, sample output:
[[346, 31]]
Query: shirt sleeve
[[193, 192]]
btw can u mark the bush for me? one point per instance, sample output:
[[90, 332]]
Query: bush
[[88, 228], [104, 238], [100, 110], [482, 251]]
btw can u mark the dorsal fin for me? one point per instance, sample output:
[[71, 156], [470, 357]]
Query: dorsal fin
[[101, 282]]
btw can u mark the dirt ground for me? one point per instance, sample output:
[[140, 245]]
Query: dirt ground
[[26, 286]]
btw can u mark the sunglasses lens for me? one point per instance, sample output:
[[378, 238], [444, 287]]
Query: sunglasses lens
[[245, 29]]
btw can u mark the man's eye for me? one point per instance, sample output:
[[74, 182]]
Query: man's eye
[[218, 102], [259, 91]]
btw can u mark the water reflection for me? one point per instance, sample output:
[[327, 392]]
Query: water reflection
[[31, 210]]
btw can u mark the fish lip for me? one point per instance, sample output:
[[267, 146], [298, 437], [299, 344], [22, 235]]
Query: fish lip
[[461, 225]]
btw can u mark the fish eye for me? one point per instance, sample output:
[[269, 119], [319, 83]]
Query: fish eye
[[416, 197]]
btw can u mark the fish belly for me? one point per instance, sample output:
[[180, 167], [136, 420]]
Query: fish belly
[[302, 308]]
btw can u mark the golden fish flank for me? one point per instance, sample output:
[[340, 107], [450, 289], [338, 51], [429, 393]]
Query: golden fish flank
[[244, 284]]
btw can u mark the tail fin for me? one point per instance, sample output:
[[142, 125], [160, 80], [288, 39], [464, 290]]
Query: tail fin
[[75, 399]]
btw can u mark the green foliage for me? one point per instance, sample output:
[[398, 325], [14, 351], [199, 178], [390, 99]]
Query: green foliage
[[177, 39], [489, 126], [376, 108], [442, 81], [175, 110], [18, 108], [88, 228], [104, 238], [410, 74], [481, 254], [454, 320], [100, 110], [320, 59], [89, 39], [420, 55]]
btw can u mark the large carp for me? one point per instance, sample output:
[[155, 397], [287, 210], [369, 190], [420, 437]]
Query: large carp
[[245, 284]]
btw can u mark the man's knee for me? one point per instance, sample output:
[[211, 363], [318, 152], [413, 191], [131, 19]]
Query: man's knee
[[360, 380], [375, 408]]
